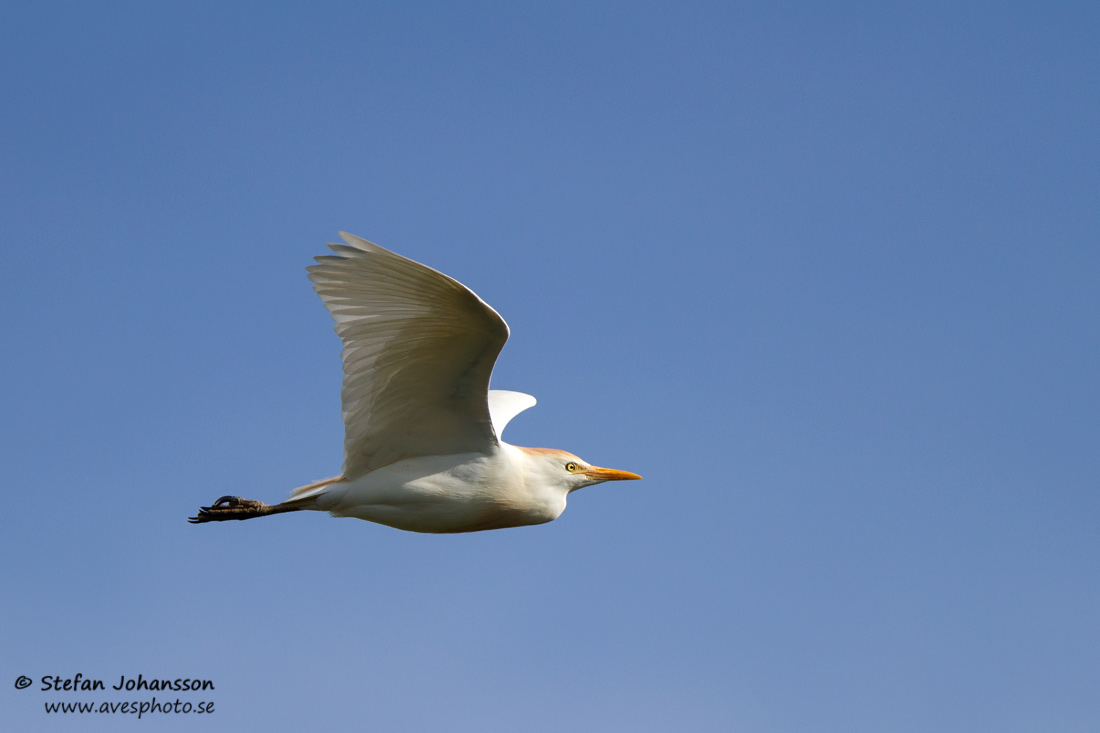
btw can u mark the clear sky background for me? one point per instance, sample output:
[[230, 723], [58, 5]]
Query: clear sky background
[[827, 275]]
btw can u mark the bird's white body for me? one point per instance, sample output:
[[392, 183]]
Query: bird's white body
[[465, 492], [422, 440]]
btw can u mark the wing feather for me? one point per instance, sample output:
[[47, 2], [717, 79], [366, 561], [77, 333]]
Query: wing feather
[[419, 348]]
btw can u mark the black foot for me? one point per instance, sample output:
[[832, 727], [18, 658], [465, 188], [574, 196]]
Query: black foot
[[230, 507]]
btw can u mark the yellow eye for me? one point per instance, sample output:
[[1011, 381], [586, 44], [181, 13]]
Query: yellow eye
[[571, 467]]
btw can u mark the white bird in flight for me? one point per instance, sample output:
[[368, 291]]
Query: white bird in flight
[[422, 430]]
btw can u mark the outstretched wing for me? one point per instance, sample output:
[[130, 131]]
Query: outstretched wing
[[419, 348]]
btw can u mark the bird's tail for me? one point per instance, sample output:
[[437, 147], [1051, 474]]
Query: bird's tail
[[311, 490]]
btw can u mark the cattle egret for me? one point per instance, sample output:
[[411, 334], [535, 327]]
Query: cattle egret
[[422, 430]]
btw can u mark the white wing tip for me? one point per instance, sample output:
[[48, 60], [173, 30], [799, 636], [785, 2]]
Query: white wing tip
[[360, 244], [505, 404]]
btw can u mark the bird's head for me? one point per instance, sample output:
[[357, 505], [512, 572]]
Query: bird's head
[[559, 468]]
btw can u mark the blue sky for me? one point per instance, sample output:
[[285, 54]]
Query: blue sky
[[826, 275]]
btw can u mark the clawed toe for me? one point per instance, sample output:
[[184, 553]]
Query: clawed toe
[[230, 507], [234, 502]]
